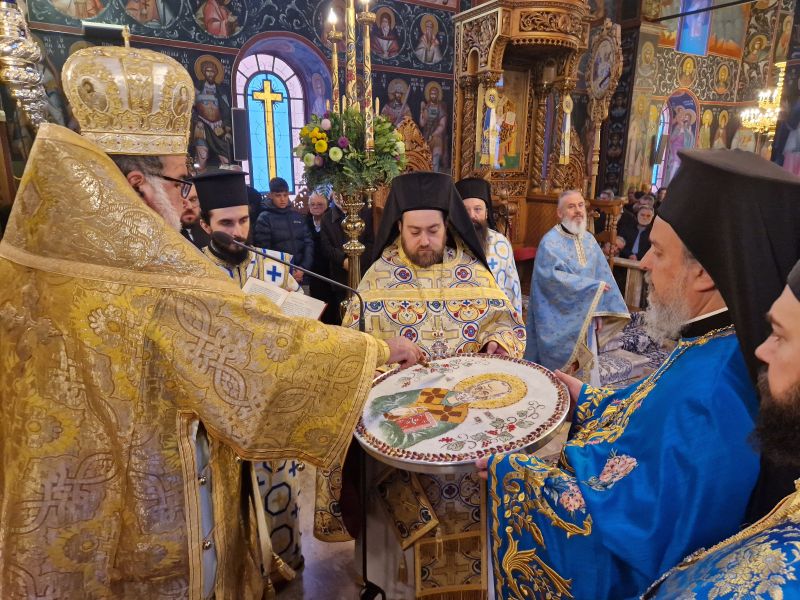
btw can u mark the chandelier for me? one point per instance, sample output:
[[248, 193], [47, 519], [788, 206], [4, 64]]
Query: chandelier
[[764, 117]]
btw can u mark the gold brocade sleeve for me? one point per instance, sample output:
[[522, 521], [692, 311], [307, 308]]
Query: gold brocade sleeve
[[271, 386]]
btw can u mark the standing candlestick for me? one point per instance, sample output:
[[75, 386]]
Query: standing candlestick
[[350, 49], [334, 37], [367, 19]]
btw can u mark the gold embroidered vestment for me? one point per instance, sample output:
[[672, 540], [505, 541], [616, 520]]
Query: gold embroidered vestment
[[116, 335]]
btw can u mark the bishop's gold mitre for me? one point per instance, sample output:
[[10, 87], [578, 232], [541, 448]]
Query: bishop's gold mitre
[[130, 100]]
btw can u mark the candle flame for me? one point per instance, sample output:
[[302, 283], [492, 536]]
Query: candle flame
[[332, 17]]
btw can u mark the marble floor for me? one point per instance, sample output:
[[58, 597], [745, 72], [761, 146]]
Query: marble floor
[[330, 571]]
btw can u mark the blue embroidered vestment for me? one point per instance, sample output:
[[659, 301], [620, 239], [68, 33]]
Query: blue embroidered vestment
[[649, 474], [566, 293]]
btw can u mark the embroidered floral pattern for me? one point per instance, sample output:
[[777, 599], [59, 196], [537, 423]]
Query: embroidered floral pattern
[[617, 466], [500, 432]]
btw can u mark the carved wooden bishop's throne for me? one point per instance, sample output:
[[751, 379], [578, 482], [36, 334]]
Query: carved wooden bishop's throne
[[516, 64]]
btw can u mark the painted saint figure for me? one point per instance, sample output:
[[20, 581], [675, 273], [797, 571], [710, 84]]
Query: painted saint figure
[[433, 122], [412, 416], [384, 38], [428, 48], [212, 131], [397, 107], [499, 146]]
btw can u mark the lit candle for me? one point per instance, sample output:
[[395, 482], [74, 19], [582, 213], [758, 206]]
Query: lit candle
[[367, 18], [334, 37], [350, 48]]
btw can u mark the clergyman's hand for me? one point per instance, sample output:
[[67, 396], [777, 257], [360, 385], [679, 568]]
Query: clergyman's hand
[[495, 348], [404, 352], [574, 386], [482, 466]]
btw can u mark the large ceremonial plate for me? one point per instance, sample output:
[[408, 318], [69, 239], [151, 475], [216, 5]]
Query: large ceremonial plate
[[455, 410]]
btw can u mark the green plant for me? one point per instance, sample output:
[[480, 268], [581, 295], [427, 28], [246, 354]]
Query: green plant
[[333, 151]]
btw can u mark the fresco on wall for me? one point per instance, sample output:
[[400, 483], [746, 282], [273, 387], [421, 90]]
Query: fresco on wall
[[154, 14], [427, 101], [385, 40], [682, 131], [420, 47], [419, 36], [212, 135], [727, 29], [79, 10], [669, 34]]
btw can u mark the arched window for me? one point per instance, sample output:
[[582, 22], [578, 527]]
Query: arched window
[[662, 138], [271, 92]]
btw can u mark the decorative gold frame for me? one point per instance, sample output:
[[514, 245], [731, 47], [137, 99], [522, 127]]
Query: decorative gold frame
[[551, 35]]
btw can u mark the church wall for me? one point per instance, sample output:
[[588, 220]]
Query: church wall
[[705, 68], [184, 30]]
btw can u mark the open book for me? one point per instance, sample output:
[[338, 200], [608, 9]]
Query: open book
[[292, 304]]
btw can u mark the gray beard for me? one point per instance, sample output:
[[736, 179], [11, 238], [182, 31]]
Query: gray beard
[[573, 227], [665, 317], [161, 204]]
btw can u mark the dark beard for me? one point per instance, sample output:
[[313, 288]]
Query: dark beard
[[482, 229], [777, 432], [424, 258], [230, 257]]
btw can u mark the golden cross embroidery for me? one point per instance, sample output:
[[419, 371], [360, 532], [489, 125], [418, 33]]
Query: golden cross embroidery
[[268, 97]]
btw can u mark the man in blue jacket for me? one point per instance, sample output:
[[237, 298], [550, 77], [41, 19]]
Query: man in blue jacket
[[282, 228]]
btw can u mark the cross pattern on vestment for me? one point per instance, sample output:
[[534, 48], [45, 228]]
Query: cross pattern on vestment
[[454, 566], [268, 97], [273, 273], [493, 264]]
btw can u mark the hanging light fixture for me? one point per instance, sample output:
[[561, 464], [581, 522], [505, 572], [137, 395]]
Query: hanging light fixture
[[763, 118]]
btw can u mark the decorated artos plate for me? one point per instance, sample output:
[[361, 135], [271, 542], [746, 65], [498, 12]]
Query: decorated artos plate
[[458, 409]]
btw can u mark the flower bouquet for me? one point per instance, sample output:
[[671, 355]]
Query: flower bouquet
[[333, 150]]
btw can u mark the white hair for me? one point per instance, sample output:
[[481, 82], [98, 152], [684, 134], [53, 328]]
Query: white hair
[[160, 203], [566, 194]]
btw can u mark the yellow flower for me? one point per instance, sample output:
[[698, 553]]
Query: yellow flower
[[304, 131], [315, 131], [321, 146]]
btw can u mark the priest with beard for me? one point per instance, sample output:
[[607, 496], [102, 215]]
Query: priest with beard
[[477, 196], [224, 206], [427, 247], [429, 281], [652, 472], [575, 306], [774, 541]]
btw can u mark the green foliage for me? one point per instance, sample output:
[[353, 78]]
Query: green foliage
[[355, 169]]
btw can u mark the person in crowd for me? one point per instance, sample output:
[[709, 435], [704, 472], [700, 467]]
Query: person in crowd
[[637, 239], [280, 227], [332, 238], [190, 222], [317, 207]]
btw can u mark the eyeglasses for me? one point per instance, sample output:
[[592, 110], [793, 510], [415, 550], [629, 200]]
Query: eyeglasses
[[186, 186]]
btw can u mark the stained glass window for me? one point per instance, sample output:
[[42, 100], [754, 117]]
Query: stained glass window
[[272, 94]]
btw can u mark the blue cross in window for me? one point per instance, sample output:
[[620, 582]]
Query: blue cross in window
[[274, 273], [493, 264]]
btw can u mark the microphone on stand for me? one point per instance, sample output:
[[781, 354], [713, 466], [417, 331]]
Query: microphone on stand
[[222, 239]]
